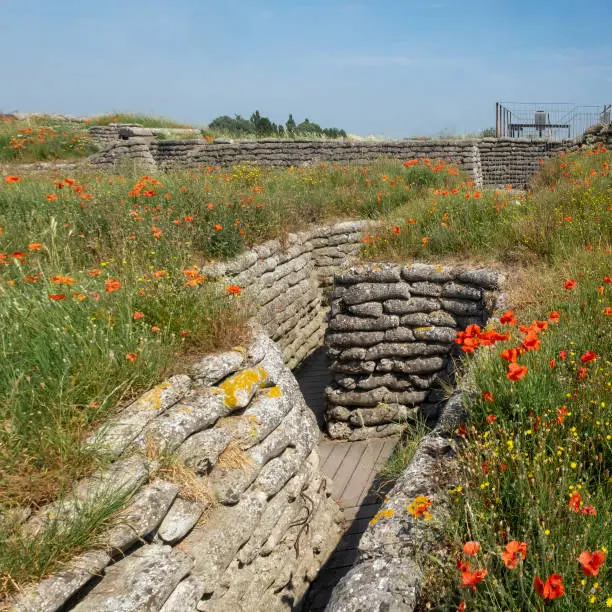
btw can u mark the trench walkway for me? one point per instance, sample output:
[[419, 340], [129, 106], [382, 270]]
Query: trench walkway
[[353, 468]]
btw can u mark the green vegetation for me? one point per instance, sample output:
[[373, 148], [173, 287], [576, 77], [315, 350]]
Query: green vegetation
[[103, 293], [404, 452], [101, 288], [27, 557], [531, 511], [150, 121], [258, 126], [36, 140]]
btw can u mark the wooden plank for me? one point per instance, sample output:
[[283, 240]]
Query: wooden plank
[[325, 448], [335, 458], [347, 469], [364, 474], [375, 492]]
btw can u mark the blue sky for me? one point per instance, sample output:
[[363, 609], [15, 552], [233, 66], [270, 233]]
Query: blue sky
[[394, 68]]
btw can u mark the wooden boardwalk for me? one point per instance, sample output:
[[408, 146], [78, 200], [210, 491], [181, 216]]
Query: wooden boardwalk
[[353, 468]]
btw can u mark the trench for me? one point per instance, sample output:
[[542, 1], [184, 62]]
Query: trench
[[353, 468]]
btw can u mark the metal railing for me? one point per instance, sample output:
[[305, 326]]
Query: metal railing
[[552, 120]]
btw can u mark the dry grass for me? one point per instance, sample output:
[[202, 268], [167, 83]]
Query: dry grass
[[234, 458]]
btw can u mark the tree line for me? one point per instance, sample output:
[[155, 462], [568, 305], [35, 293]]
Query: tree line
[[260, 126]]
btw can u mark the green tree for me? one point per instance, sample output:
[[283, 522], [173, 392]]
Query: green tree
[[290, 126]]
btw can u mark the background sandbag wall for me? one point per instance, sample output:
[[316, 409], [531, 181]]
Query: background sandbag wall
[[513, 161], [490, 162], [134, 150], [285, 284], [105, 135], [246, 525], [391, 337]]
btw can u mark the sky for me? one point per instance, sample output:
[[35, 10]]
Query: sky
[[387, 68]]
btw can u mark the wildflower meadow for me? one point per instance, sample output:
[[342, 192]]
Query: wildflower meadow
[[104, 293]]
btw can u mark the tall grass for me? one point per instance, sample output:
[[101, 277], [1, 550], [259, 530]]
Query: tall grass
[[532, 445], [101, 289], [31, 140], [535, 466], [506, 226], [142, 119]]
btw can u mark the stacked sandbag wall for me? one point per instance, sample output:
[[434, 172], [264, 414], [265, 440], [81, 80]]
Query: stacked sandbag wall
[[490, 162], [227, 508], [286, 285], [391, 337]]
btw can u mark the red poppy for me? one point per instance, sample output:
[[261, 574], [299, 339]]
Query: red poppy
[[561, 414], [516, 372], [590, 510], [471, 579], [552, 363], [189, 219], [184, 332], [608, 279], [31, 279], [531, 342], [508, 318], [589, 356], [591, 562], [34, 246], [12, 179], [63, 280], [112, 285], [554, 316], [514, 550], [551, 589], [94, 272], [51, 197], [471, 548], [582, 373], [137, 316], [19, 255], [461, 607], [155, 328], [575, 501], [131, 357], [607, 310], [218, 227], [235, 289], [563, 355], [487, 396], [56, 297], [570, 284], [491, 418], [511, 354]]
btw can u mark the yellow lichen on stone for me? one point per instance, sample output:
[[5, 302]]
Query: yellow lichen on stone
[[381, 514], [153, 399], [423, 329], [275, 391], [243, 384]]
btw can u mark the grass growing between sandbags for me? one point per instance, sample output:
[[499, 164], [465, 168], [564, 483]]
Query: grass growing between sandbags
[[531, 509], [103, 294]]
